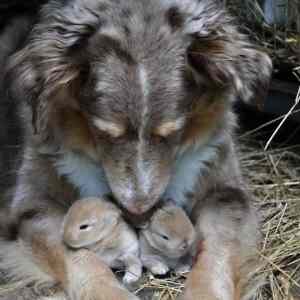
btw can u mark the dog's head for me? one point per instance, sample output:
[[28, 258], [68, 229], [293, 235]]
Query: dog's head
[[133, 83]]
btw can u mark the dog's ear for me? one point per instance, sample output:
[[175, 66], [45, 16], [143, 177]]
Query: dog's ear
[[221, 56], [44, 85], [44, 73]]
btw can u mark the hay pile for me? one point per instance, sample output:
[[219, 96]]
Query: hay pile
[[274, 178]]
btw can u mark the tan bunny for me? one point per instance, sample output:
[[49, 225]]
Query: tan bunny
[[97, 225], [166, 242]]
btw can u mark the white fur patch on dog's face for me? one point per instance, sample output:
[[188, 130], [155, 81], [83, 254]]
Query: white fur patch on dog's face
[[167, 128], [113, 129], [83, 173]]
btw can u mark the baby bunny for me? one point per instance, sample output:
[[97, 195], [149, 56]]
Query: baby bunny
[[97, 225], [167, 241]]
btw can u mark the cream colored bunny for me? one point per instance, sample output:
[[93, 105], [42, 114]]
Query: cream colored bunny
[[166, 242], [97, 225]]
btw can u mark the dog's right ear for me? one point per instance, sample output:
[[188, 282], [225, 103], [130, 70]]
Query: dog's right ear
[[44, 73], [23, 81], [43, 86]]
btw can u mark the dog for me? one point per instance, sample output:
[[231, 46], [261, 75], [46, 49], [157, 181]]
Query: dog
[[132, 99]]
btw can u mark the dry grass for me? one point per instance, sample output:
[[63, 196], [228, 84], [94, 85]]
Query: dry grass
[[274, 177]]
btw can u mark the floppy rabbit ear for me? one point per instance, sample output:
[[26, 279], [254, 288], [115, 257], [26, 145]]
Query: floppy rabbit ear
[[221, 55]]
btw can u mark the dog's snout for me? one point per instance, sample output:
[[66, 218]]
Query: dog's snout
[[139, 206]]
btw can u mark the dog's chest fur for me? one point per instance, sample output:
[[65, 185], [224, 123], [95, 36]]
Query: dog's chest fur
[[84, 174], [187, 169]]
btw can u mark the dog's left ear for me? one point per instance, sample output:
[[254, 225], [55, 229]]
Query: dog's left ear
[[222, 56]]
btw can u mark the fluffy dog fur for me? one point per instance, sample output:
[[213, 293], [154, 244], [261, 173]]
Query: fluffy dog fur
[[134, 99]]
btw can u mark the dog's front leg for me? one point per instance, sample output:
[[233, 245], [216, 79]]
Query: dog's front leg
[[214, 275], [227, 229]]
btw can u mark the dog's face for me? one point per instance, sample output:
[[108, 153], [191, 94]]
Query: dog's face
[[133, 85], [137, 110]]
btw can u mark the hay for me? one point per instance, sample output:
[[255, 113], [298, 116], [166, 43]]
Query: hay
[[274, 179]]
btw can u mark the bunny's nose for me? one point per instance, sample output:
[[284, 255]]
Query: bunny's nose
[[184, 245]]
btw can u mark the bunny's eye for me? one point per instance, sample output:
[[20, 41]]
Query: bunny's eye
[[162, 236], [165, 237], [84, 227]]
